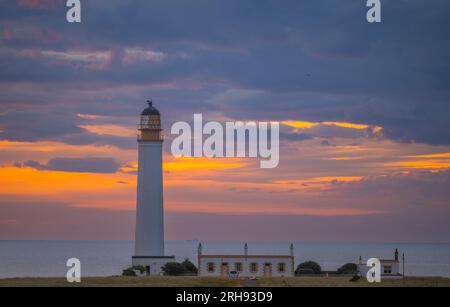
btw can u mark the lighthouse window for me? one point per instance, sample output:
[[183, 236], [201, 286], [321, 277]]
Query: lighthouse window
[[253, 267], [281, 267], [210, 267]]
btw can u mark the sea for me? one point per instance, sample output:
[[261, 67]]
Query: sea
[[109, 258]]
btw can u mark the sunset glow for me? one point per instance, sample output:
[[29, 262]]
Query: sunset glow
[[363, 113]]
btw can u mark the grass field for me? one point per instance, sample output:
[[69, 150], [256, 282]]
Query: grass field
[[222, 282]]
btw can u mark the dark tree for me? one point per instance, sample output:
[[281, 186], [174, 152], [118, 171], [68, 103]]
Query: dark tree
[[190, 267], [128, 272], [131, 271], [309, 266], [174, 269], [348, 268]]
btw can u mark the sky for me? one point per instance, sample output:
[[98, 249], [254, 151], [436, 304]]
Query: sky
[[364, 111]]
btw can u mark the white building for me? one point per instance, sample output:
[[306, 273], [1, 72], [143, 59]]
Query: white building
[[149, 240], [246, 265], [390, 268]]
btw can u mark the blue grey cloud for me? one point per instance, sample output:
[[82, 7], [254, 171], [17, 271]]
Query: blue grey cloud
[[79, 165], [316, 61]]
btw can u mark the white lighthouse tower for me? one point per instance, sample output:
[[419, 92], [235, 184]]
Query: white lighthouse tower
[[149, 241]]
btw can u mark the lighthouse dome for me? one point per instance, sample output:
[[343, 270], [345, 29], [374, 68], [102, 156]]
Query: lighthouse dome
[[150, 110]]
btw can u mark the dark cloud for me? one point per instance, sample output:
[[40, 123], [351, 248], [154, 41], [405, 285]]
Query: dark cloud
[[32, 124], [87, 138], [56, 124], [295, 136], [79, 165], [316, 61]]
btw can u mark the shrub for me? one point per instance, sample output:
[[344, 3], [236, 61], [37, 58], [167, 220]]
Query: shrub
[[348, 268], [190, 267], [308, 266], [139, 268], [128, 272], [131, 271], [304, 272], [174, 269]]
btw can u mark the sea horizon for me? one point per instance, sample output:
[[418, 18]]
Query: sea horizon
[[47, 258]]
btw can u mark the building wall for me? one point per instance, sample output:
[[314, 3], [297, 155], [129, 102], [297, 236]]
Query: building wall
[[394, 265], [394, 268], [260, 261]]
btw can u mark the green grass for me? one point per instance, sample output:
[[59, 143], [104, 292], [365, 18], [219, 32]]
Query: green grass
[[124, 282], [221, 282]]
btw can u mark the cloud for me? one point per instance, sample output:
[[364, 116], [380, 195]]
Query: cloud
[[78, 165], [111, 129], [283, 67], [133, 55], [39, 4], [90, 59], [307, 130], [57, 124], [29, 125]]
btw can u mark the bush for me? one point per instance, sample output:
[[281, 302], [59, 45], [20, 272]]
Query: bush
[[348, 268], [304, 272], [174, 269], [139, 268], [190, 267], [131, 271], [128, 272], [308, 266]]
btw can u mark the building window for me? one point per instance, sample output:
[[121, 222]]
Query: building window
[[281, 267], [224, 268], [253, 267], [238, 266], [267, 269], [387, 269], [210, 267]]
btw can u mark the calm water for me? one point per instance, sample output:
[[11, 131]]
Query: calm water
[[105, 258]]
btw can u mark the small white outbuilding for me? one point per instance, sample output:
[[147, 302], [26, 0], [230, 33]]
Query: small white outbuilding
[[390, 268]]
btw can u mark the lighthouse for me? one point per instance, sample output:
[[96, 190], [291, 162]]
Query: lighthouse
[[149, 239]]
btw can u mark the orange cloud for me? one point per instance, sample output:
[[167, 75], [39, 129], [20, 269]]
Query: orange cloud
[[344, 158], [345, 125], [28, 181], [114, 130], [44, 150], [86, 190], [309, 125], [431, 164], [299, 124], [317, 183], [432, 156], [252, 209], [187, 164]]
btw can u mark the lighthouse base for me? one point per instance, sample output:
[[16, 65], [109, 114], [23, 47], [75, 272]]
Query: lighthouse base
[[152, 264]]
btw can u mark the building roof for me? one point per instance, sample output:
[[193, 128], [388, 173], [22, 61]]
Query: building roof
[[150, 110], [248, 256]]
